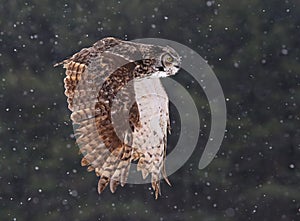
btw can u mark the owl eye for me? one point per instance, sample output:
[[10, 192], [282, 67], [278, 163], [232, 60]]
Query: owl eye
[[169, 59]]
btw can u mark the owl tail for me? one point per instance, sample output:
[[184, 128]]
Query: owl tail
[[110, 160], [115, 170], [155, 165]]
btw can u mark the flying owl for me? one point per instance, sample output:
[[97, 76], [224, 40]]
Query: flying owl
[[120, 109]]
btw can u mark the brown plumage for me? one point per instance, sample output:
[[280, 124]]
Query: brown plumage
[[100, 86]]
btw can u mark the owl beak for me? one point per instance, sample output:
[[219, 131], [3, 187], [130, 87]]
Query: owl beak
[[160, 68]]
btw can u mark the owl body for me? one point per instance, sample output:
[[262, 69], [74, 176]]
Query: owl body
[[120, 109]]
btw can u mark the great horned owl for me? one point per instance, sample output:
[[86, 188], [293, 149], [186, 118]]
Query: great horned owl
[[120, 109]]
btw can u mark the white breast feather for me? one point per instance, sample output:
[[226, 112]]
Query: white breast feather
[[150, 138]]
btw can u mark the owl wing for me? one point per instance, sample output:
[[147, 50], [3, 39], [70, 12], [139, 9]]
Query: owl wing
[[151, 135], [86, 73]]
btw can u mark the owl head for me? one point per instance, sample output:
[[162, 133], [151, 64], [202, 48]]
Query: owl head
[[167, 62], [166, 59]]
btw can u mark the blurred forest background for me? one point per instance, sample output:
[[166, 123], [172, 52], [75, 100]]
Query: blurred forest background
[[252, 46]]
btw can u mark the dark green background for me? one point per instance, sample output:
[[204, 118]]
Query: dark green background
[[253, 47]]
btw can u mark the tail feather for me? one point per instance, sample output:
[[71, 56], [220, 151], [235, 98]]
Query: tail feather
[[99, 162], [113, 185], [115, 169], [124, 174], [103, 181], [156, 187], [108, 169], [164, 174], [118, 176]]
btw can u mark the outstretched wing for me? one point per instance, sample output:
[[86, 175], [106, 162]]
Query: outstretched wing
[[91, 84]]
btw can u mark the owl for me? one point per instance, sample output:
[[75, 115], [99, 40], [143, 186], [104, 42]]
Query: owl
[[120, 109]]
